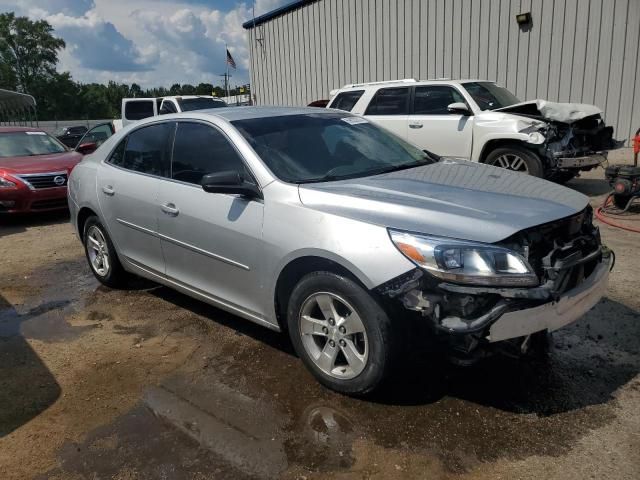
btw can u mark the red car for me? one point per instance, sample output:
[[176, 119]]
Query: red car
[[34, 168]]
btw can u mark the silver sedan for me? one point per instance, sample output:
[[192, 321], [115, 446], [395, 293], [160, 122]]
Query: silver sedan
[[322, 224]]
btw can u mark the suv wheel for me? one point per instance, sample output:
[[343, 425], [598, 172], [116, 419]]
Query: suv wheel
[[101, 255], [340, 332], [516, 158]]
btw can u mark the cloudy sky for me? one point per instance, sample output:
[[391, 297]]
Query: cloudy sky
[[150, 42]]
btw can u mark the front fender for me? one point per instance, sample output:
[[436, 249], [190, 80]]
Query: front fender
[[491, 126]]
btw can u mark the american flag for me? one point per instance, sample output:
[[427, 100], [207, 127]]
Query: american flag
[[230, 60]]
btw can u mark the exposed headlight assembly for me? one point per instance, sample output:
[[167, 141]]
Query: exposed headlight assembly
[[466, 262]]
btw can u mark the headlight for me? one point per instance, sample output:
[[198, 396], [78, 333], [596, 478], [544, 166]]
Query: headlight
[[4, 183], [465, 262]]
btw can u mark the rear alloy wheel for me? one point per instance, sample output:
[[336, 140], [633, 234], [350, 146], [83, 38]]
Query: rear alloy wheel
[[101, 255], [340, 332], [516, 159]]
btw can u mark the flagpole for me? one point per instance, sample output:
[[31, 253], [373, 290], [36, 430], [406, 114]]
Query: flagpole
[[226, 59]]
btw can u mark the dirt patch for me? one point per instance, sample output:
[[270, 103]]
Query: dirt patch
[[146, 383]]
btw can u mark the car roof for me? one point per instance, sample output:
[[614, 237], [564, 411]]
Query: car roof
[[19, 129], [244, 113], [407, 82]]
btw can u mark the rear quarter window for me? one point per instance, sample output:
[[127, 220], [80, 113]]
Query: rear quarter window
[[347, 100], [138, 110]]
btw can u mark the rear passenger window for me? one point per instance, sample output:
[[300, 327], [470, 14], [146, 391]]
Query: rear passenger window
[[434, 100], [200, 149], [146, 150], [347, 100], [389, 101]]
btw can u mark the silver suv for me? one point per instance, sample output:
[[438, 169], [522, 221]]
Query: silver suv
[[320, 223]]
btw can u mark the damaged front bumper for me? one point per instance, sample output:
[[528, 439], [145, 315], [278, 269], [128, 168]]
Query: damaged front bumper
[[471, 321], [555, 314], [581, 161]]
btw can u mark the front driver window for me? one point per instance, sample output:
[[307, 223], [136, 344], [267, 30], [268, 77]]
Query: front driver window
[[200, 149], [434, 100]]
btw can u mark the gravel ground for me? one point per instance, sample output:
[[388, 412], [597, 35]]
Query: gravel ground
[[147, 383]]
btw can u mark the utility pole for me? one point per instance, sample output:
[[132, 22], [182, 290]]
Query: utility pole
[[226, 77]]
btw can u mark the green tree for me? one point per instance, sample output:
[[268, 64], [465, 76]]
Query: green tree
[[28, 52], [204, 89]]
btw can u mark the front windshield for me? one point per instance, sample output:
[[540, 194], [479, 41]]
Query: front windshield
[[490, 96], [326, 146], [25, 144], [200, 103]]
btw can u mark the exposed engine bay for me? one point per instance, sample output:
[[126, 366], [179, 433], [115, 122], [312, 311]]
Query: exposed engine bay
[[569, 136], [564, 254]]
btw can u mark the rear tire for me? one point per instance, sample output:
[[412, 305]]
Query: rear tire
[[343, 336], [102, 257], [516, 158]]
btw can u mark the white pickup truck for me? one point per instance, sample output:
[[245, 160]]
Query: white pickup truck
[[134, 109]]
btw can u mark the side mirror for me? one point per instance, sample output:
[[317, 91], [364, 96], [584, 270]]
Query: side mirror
[[87, 148], [459, 108], [229, 182]]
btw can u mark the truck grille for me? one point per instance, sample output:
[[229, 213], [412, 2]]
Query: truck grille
[[44, 180]]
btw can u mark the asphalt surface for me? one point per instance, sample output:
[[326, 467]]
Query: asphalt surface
[[147, 383]]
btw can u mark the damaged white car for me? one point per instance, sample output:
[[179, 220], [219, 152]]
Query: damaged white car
[[481, 121]]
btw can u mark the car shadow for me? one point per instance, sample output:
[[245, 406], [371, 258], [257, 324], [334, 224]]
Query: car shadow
[[14, 224], [27, 386], [279, 341], [592, 187], [585, 364]]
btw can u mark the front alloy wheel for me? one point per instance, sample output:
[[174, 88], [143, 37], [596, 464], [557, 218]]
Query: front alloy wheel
[[512, 161], [517, 159], [341, 332], [333, 335]]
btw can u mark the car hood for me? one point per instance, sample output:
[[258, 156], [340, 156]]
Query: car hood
[[451, 198], [40, 163], [558, 112]]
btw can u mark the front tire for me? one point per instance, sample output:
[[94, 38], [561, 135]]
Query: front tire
[[517, 159], [343, 336], [102, 257]]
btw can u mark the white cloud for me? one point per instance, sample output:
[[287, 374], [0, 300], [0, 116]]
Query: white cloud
[[151, 42]]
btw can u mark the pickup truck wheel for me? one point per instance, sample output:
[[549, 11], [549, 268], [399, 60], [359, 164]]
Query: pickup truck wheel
[[340, 332], [516, 158], [101, 255]]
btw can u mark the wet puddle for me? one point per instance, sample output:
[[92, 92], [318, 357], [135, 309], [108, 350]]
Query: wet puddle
[[44, 316]]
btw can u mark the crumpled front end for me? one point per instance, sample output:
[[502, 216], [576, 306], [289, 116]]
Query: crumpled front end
[[581, 144], [572, 267], [569, 136]]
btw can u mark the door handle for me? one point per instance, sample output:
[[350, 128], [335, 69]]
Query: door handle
[[415, 125], [170, 209], [108, 190]]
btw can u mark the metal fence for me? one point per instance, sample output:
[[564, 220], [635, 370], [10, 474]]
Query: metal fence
[[572, 51]]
